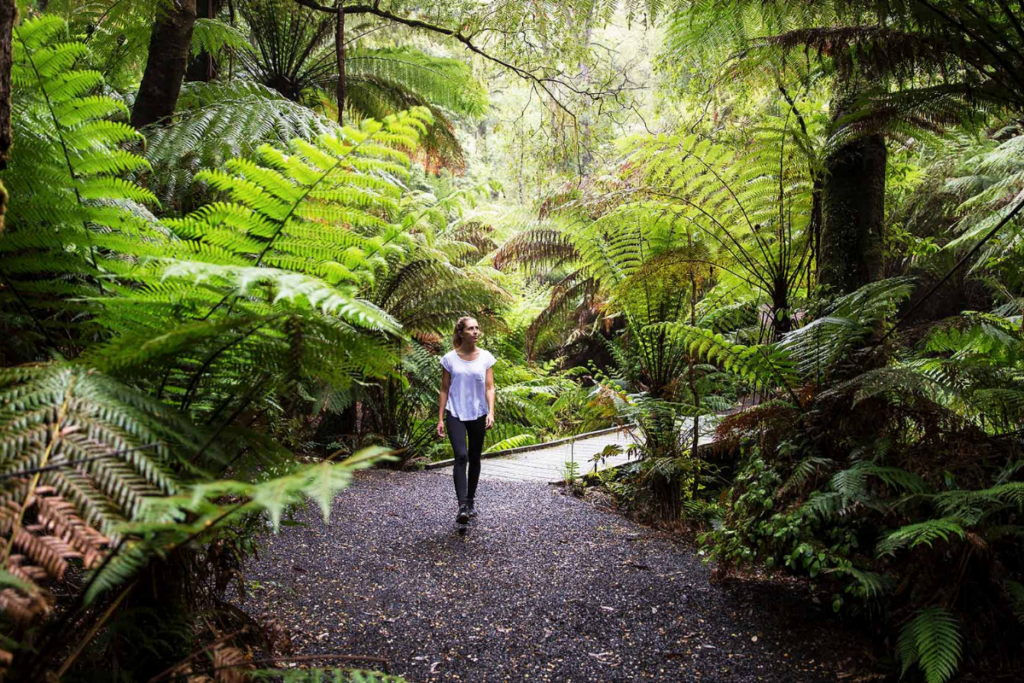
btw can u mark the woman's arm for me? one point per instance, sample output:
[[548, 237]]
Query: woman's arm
[[490, 398], [446, 381]]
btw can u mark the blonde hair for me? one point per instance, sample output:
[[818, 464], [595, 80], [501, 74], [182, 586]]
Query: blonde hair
[[460, 327]]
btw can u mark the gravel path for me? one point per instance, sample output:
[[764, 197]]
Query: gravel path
[[540, 587]]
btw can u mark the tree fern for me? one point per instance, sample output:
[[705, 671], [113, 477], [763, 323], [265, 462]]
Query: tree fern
[[70, 211], [441, 82], [214, 36], [328, 215], [215, 122], [846, 324], [294, 53], [80, 455], [762, 365]]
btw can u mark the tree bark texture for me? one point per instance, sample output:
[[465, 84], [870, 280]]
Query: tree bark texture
[[339, 41], [853, 215], [8, 15], [203, 67], [169, 49]]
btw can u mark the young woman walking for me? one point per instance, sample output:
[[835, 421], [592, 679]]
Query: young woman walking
[[467, 408]]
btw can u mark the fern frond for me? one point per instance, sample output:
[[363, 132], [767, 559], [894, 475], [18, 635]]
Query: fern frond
[[921, 533], [871, 585], [69, 199], [763, 365], [515, 441], [216, 122], [82, 454], [932, 641]]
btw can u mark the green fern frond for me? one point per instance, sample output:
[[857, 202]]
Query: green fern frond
[[1015, 591], [69, 202], [851, 320], [515, 441], [871, 585], [922, 533], [438, 81], [215, 122], [932, 641], [803, 471], [297, 237], [763, 365], [214, 36]]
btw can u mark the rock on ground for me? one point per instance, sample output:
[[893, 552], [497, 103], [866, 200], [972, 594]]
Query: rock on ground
[[539, 587]]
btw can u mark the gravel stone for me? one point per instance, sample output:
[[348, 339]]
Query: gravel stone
[[539, 587]]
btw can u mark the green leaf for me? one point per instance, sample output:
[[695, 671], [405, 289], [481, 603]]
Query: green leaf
[[932, 641]]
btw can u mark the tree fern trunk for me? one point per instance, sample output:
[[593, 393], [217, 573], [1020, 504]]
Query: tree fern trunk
[[203, 67], [169, 48], [853, 212]]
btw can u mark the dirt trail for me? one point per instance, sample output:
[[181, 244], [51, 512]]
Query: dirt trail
[[541, 587]]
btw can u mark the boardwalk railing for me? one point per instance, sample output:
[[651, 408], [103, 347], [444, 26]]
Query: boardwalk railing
[[537, 446]]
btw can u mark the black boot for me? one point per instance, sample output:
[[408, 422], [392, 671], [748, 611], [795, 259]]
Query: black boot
[[470, 509], [463, 515]]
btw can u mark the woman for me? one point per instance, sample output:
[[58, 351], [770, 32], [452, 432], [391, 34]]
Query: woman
[[467, 408]]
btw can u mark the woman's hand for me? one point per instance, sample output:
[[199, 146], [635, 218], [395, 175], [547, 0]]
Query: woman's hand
[[440, 428], [489, 422]]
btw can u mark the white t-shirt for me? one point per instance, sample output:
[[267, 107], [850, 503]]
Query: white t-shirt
[[467, 393]]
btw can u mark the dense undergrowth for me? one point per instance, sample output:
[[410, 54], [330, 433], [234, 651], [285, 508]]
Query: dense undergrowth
[[222, 315]]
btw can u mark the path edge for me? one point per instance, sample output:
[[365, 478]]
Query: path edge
[[534, 447]]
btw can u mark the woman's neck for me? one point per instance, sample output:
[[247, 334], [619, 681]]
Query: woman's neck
[[467, 348]]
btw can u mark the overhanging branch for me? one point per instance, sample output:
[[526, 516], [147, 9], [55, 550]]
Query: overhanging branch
[[544, 82]]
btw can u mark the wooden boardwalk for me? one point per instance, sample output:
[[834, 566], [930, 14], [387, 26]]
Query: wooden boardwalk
[[546, 462]]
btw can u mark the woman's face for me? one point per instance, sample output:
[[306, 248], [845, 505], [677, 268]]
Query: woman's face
[[471, 332]]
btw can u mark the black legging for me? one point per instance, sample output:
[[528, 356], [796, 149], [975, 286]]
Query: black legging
[[458, 431]]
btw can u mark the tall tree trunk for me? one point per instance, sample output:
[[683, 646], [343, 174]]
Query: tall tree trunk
[[8, 15], [853, 213], [339, 42], [586, 137], [169, 48], [203, 68], [817, 185]]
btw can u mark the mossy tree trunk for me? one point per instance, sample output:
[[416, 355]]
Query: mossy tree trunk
[[853, 213], [169, 48]]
